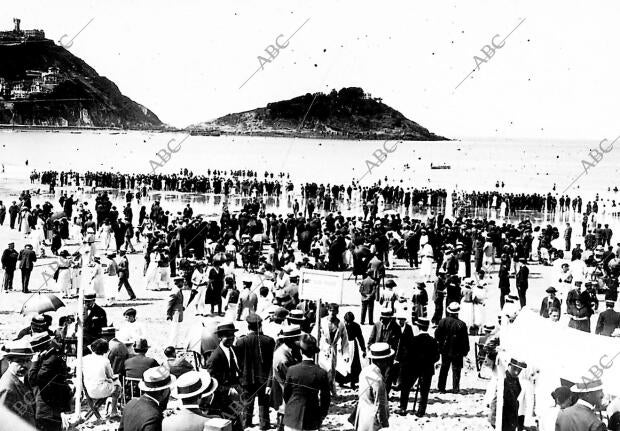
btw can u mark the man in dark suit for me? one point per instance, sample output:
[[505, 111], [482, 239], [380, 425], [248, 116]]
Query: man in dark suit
[[123, 275], [425, 356], [95, 319], [608, 320], [368, 290], [387, 331], [223, 366], [9, 262], [307, 390], [27, 258], [255, 354], [138, 364], [522, 280], [549, 302], [451, 335], [404, 360], [146, 413]]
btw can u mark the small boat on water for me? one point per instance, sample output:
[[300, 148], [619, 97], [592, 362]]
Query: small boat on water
[[440, 166]]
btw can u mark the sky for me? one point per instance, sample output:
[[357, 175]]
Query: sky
[[555, 76]]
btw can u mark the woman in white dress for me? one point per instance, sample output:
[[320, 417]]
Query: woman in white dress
[[96, 278], [99, 379], [151, 272], [333, 345], [64, 273], [106, 232], [427, 261], [110, 282], [24, 225]]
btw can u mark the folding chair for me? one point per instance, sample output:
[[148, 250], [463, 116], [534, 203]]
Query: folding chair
[[94, 405], [129, 388]]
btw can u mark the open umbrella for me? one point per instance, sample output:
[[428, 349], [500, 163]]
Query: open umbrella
[[41, 303]]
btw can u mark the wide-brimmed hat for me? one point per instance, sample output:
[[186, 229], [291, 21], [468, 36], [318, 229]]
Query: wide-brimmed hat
[[157, 379], [225, 328], [516, 363], [454, 308], [387, 312], [551, 290], [296, 316], [587, 386], [390, 283], [194, 383], [17, 349], [289, 331], [380, 351], [308, 344], [39, 341], [422, 323]]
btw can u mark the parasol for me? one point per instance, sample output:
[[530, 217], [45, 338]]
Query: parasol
[[42, 303]]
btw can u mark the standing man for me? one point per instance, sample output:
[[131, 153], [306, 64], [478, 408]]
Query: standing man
[[27, 258], [95, 319], [373, 408], [123, 275], [9, 262], [306, 391], [387, 331], [568, 232], [404, 360], [522, 280], [146, 413], [174, 312], [247, 300], [2, 213], [512, 390], [13, 211], [255, 353], [425, 356], [286, 355], [451, 336], [368, 290], [608, 320]]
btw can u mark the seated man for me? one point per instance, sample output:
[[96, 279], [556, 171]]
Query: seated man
[[178, 366], [138, 364]]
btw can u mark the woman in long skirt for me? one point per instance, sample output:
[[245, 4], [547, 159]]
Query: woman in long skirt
[[64, 273], [354, 332], [96, 278], [24, 225], [372, 411], [334, 344]]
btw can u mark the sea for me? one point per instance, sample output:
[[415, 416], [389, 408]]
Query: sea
[[568, 167]]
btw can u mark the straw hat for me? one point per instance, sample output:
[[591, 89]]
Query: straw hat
[[18, 349], [289, 331], [157, 379], [584, 387], [454, 307], [194, 383], [380, 351]]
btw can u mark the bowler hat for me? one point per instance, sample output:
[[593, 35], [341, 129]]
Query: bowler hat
[[551, 290], [141, 345], [129, 312]]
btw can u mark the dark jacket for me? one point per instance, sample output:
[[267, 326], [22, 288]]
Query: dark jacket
[[219, 368], [255, 355], [141, 414], [9, 259], [48, 377], [548, 305], [137, 365], [95, 320], [404, 354], [425, 353], [18, 397], [179, 366], [451, 335], [608, 320], [27, 258], [522, 277], [390, 335], [307, 396]]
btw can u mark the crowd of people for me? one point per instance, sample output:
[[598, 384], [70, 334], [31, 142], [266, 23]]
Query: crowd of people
[[457, 257]]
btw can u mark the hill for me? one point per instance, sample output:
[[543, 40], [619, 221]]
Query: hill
[[346, 114], [43, 84]]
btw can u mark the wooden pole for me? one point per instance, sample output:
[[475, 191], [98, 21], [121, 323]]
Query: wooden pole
[[80, 340], [318, 326], [499, 406]]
